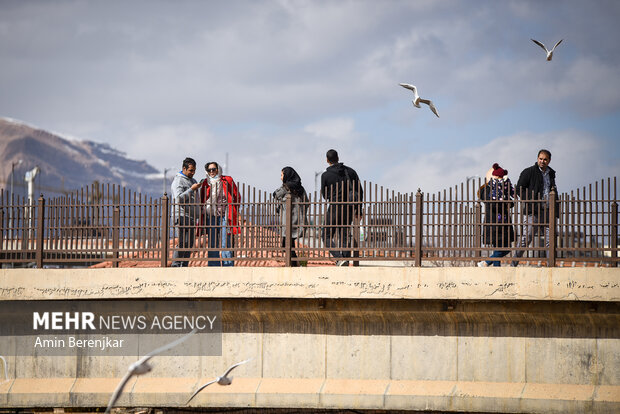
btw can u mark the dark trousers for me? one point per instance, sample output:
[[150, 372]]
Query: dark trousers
[[185, 232], [338, 219], [294, 263]]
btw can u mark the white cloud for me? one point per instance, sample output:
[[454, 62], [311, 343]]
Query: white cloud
[[166, 146], [339, 129], [440, 170]]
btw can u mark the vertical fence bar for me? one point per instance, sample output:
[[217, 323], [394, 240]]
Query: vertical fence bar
[[478, 230], [355, 219], [288, 231], [40, 231], [613, 243], [2, 248], [165, 229], [419, 199], [551, 253], [116, 224]]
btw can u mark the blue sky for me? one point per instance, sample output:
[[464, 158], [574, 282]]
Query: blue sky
[[276, 83]]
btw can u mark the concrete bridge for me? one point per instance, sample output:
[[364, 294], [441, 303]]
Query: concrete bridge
[[429, 339]]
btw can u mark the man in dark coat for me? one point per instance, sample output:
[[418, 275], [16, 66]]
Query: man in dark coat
[[341, 186], [534, 185]]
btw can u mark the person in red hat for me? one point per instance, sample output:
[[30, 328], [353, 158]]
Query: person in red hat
[[497, 194]]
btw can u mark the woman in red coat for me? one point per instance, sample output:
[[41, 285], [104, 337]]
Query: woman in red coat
[[219, 198]]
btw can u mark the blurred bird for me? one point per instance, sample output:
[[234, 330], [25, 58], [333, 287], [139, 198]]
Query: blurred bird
[[141, 367], [223, 380], [416, 98], [6, 372], [549, 53]]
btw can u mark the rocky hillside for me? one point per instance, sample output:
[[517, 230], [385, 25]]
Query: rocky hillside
[[67, 164]]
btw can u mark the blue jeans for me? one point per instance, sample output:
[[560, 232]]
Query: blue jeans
[[217, 232], [497, 253], [227, 242]]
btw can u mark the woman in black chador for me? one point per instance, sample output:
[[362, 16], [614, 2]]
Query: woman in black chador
[[291, 184]]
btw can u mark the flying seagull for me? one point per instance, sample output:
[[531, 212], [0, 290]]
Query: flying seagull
[[223, 380], [416, 98], [549, 52], [141, 367], [6, 372]]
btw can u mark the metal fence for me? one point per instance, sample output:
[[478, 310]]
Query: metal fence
[[107, 225]]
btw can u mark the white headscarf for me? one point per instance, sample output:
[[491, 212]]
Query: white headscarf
[[215, 180]]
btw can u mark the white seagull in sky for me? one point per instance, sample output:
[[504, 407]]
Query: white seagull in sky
[[141, 367], [416, 98], [223, 380], [549, 52]]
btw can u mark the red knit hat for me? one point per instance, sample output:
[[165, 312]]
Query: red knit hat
[[499, 171]]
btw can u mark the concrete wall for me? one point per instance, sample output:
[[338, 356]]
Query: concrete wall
[[445, 339]]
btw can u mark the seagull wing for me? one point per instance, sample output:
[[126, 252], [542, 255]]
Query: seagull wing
[[556, 45], [166, 347], [410, 87], [541, 45], [118, 391], [235, 366], [202, 387], [6, 372], [431, 105]]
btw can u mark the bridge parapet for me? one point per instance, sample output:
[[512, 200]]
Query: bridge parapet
[[443, 339]]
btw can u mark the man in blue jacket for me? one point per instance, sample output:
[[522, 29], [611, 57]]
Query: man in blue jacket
[[534, 185], [185, 211]]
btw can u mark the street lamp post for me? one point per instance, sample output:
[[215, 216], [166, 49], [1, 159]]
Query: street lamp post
[[164, 186], [316, 176], [13, 164]]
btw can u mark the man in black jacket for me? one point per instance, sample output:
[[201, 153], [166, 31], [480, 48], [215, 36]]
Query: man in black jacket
[[341, 186], [534, 185]]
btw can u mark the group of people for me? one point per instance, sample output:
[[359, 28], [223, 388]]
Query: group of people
[[534, 186], [218, 218], [217, 212]]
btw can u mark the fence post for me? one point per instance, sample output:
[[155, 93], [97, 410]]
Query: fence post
[[477, 230], [165, 229], [40, 231], [551, 252], [116, 223], [613, 243], [288, 230], [355, 242], [2, 248], [419, 198]]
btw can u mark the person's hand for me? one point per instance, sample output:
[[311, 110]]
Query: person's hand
[[195, 186]]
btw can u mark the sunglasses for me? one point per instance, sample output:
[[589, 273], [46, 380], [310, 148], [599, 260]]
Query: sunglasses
[[211, 169]]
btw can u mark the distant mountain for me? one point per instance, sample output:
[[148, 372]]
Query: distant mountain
[[68, 164]]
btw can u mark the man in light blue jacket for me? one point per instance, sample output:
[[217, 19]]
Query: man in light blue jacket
[[184, 189]]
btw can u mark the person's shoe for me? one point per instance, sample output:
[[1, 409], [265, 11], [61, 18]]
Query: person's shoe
[[482, 263], [342, 263]]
